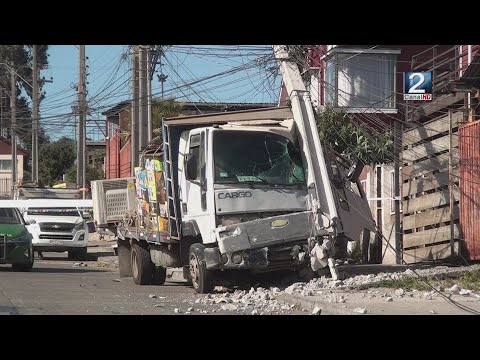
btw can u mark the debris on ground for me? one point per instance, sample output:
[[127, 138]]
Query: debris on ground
[[159, 305], [433, 312], [389, 299], [177, 311], [152, 296], [190, 309], [316, 311], [80, 264], [360, 311], [116, 280]]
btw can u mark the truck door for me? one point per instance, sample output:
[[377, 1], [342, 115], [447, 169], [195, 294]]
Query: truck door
[[194, 201]]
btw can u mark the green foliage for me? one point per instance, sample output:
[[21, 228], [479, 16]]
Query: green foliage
[[164, 109], [337, 131], [160, 109], [22, 56], [55, 159], [93, 173]]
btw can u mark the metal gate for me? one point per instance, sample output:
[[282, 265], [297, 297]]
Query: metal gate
[[469, 184]]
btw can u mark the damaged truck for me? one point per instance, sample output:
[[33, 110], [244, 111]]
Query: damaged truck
[[238, 192]]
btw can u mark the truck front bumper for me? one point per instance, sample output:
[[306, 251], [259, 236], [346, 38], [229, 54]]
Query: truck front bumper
[[278, 241]]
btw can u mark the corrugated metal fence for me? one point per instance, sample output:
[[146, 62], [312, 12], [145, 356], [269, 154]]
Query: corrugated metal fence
[[469, 185]]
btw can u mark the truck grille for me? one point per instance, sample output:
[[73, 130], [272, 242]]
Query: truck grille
[[56, 236], [56, 227]]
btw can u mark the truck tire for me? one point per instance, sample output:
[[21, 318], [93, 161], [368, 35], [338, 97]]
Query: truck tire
[[202, 279], [142, 266], [24, 267], [159, 275], [124, 258]]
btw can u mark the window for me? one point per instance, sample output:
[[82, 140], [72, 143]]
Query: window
[[361, 80], [5, 164]]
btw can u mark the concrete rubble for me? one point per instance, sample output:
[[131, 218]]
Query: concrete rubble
[[265, 300]]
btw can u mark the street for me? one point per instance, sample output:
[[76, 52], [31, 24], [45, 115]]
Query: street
[[59, 286]]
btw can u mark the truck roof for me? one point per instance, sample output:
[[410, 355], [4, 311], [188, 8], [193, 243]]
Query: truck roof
[[272, 113]]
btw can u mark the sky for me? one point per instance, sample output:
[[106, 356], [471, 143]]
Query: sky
[[242, 76]]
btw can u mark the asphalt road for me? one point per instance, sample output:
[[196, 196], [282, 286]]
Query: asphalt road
[[56, 286]]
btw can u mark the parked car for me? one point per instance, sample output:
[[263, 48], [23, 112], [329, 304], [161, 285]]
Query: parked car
[[15, 240], [58, 230]]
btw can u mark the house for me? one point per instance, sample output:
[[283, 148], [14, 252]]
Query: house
[[118, 150], [366, 82], [6, 166]]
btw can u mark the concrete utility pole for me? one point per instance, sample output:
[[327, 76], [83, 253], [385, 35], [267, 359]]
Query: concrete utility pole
[[81, 156], [135, 108], [35, 95], [149, 95], [142, 69], [13, 110]]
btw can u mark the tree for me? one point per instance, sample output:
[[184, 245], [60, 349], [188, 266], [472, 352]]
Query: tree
[[160, 109], [93, 173], [56, 159], [339, 132], [22, 56]]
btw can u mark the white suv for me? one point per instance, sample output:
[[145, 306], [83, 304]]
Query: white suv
[[58, 230]]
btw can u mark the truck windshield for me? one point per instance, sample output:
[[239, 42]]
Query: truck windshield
[[9, 216], [256, 157], [53, 212]]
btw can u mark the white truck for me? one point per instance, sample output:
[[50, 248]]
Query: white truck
[[55, 229], [246, 191]]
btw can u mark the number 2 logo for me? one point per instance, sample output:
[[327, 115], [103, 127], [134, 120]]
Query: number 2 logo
[[413, 89]]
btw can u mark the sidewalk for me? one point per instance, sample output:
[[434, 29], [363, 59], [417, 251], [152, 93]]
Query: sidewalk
[[376, 303]]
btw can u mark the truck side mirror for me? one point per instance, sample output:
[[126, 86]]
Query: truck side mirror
[[191, 166]]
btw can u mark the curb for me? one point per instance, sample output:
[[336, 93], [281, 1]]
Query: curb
[[307, 304]]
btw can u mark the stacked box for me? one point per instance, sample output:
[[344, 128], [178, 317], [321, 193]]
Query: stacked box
[[151, 199]]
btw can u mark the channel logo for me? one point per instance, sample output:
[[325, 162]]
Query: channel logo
[[417, 86]]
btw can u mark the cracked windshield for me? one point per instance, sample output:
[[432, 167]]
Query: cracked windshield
[[260, 157]]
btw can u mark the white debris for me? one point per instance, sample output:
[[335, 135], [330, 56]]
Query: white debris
[[229, 307], [177, 311], [254, 312], [399, 292], [187, 312], [198, 301], [433, 312], [360, 310], [159, 305], [389, 299], [316, 311], [152, 296], [116, 280], [465, 292], [455, 289], [289, 290], [190, 309]]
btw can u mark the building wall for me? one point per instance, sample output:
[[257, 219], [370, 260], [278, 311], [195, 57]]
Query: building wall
[[6, 175]]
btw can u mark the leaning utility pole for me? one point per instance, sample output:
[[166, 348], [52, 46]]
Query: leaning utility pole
[[35, 95], [135, 108], [81, 156], [13, 109]]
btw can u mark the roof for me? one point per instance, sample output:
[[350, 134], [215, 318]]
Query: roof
[[20, 151], [209, 106]]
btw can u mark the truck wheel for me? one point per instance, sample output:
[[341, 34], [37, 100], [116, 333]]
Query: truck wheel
[[124, 258], [142, 266], [201, 277], [159, 275]]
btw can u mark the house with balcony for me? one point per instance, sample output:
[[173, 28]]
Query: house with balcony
[[366, 82]]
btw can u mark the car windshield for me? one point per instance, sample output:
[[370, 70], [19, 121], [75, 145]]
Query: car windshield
[[256, 157], [9, 216], [53, 212]]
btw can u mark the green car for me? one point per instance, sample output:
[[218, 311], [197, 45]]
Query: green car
[[15, 240]]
